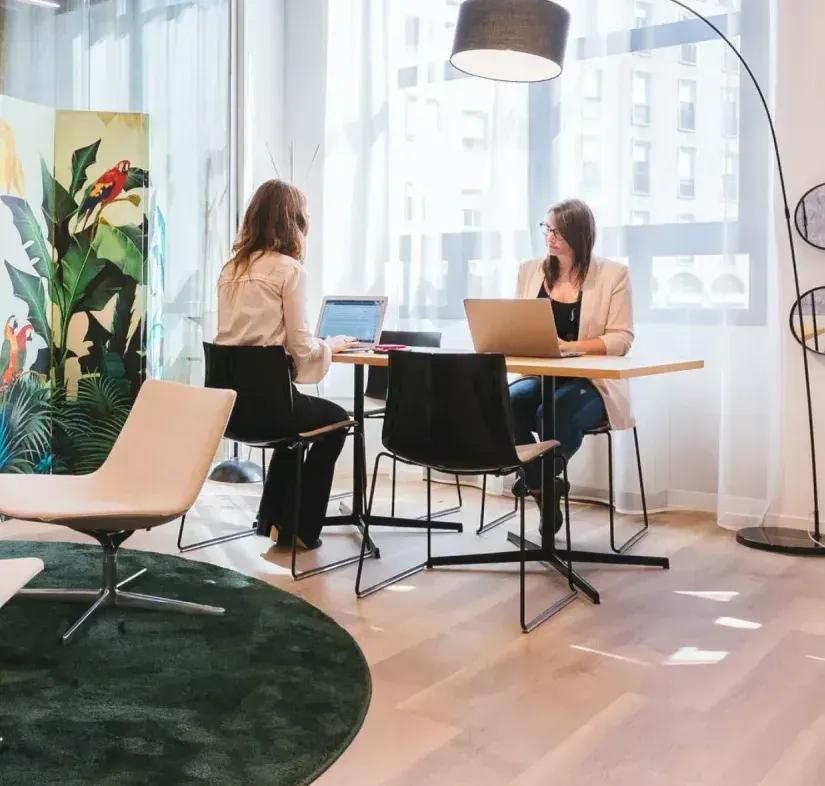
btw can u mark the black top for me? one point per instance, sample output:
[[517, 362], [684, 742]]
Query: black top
[[567, 316]]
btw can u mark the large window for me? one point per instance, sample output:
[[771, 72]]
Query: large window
[[646, 141]]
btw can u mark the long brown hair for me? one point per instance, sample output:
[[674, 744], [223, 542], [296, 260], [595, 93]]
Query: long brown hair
[[276, 220], [576, 223]]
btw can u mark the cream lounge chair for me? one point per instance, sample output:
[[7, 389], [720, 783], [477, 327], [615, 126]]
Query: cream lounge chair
[[16, 573], [152, 476]]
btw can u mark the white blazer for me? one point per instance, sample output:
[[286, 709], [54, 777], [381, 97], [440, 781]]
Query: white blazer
[[606, 313]]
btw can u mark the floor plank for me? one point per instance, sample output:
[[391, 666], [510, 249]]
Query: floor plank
[[711, 674]]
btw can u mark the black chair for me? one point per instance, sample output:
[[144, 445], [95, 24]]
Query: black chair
[[264, 417], [451, 413], [482, 527], [375, 397], [611, 504]]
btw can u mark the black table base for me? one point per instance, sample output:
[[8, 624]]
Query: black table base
[[552, 558]]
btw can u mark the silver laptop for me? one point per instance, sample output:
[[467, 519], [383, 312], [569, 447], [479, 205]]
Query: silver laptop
[[516, 328], [361, 317]]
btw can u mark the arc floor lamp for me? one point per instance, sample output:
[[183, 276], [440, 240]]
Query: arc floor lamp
[[526, 41]]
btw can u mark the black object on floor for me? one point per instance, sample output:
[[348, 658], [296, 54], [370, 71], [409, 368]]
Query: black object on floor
[[271, 693]]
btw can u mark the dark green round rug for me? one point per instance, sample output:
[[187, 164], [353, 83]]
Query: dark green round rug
[[271, 693]]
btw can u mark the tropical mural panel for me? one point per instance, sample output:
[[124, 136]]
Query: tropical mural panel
[[74, 235]]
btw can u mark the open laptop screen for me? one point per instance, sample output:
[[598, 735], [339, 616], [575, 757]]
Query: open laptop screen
[[360, 319]]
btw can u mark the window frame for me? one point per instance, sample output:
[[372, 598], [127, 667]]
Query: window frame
[[639, 243]]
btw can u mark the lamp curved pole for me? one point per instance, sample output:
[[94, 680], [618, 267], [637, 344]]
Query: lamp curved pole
[[745, 536]]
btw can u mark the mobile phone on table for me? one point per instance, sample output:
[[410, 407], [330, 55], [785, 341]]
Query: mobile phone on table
[[389, 347]]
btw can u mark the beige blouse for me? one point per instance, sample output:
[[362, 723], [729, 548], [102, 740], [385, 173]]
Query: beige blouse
[[606, 313], [266, 306]]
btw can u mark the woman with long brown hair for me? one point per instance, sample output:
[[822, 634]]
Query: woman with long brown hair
[[262, 302], [591, 303]]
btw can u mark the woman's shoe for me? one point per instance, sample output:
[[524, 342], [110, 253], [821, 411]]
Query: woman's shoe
[[562, 490], [263, 527], [284, 540]]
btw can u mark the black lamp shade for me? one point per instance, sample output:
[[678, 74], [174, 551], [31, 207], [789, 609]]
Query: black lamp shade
[[511, 40]]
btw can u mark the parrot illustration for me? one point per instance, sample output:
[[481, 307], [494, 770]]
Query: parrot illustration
[[108, 187], [13, 352]]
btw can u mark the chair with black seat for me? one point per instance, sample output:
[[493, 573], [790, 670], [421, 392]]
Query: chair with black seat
[[264, 417], [611, 503], [451, 413], [375, 397]]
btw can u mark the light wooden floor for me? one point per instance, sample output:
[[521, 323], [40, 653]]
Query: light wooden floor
[[712, 673]]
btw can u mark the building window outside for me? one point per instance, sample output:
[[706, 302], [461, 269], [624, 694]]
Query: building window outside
[[412, 32], [730, 111], [643, 17], [687, 172], [730, 177], [591, 164], [471, 208], [641, 98], [687, 105], [475, 130], [641, 167], [592, 90], [688, 52]]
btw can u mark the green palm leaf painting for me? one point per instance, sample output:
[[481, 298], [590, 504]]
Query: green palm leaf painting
[[25, 425], [77, 285], [82, 159]]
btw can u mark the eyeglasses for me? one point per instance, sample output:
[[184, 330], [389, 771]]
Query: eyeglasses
[[548, 231]]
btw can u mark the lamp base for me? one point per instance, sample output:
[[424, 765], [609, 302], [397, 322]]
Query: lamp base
[[236, 471], [781, 540]]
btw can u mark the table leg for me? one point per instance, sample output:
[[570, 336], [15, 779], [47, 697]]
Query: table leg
[[358, 456], [549, 501], [356, 515]]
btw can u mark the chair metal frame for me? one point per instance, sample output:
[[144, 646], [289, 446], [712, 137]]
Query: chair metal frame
[[611, 503], [112, 592], [526, 625], [298, 443], [412, 339], [503, 519], [512, 463]]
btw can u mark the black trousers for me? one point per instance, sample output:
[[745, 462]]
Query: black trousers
[[277, 502]]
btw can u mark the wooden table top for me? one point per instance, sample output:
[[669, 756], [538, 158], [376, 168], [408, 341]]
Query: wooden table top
[[588, 366]]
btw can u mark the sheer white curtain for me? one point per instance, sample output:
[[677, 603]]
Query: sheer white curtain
[[425, 185], [171, 60], [434, 185], [660, 131]]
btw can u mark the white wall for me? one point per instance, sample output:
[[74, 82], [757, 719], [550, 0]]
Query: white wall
[[800, 115]]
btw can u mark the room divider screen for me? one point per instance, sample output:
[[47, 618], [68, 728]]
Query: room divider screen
[[75, 236]]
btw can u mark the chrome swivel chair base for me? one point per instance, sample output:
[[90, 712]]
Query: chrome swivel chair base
[[112, 592]]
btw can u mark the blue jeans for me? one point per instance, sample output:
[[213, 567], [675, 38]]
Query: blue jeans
[[579, 408]]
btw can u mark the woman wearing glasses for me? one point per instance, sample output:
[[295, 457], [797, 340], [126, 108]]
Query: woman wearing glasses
[[592, 307]]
